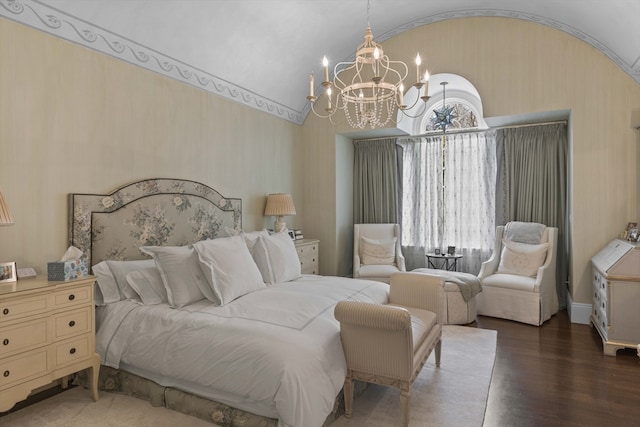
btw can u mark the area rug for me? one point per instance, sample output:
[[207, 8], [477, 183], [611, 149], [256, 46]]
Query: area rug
[[455, 394]]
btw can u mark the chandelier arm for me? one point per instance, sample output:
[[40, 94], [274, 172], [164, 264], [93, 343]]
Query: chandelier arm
[[422, 110], [328, 115]]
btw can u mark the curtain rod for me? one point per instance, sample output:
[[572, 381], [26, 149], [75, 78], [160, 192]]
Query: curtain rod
[[453, 132], [564, 122]]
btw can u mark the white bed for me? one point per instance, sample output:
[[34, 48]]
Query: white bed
[[273, 351]]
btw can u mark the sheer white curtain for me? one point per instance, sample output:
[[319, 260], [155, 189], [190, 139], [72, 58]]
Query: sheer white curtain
[[450, 207]]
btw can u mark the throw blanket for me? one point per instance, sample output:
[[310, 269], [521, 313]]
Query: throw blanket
[[524, 232], [468, 284]]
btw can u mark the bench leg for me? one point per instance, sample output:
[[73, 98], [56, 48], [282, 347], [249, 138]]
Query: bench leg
[[348, 397], [438, 351], [405, 402]]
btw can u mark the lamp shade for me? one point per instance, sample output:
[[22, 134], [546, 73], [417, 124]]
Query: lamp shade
[[5, 215], [279, 204]]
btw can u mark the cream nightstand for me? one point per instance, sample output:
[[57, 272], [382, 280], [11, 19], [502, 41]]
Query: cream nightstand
[[47, 332], [308, 252]]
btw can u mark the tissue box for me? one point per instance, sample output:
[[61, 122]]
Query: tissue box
[[68, 270]]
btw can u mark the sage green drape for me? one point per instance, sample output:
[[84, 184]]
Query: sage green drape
[[375, 181], [533, 172]]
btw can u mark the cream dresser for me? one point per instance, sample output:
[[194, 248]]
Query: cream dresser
[[616, 295], [308, 252], [47, 332]]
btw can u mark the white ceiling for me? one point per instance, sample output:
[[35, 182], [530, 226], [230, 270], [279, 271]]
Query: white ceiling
[[260, 52]]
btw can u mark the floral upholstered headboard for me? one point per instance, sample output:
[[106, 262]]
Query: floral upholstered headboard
[[153, 212]]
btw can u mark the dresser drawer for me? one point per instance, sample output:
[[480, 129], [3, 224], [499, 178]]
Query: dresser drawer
[[15, 308], [72, 296], [73, 322], [23, 367], [24, 336], [71, 350]]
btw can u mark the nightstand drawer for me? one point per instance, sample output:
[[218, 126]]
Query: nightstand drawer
[[71, 350], [72, 296], [24, 336], [308, 253], [23, 367], [71, 323], [19, 308], [309, 265]]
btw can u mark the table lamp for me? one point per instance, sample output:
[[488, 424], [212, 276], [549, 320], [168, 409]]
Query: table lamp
[[279, 205]]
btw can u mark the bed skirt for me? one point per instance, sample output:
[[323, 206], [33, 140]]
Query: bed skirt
[[123, 382]]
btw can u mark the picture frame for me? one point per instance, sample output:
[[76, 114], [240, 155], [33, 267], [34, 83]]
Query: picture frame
[[437, 251], [8, 272], [633, 235], [451, 250]]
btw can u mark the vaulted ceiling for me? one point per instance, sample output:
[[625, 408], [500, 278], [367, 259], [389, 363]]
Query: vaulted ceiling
[[260, 52]]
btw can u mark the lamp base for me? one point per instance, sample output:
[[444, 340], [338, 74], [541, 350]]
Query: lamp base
[[279, 224]]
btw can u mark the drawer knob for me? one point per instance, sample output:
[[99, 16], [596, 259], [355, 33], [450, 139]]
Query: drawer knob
[[72, 323], [72, 297], [5, 311], [6, 374], [72, 351], [5, 341]]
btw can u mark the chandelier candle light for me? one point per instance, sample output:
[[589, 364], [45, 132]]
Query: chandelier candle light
[[368, 89]]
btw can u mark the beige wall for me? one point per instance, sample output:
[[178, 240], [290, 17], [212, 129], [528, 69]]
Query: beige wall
[[520, 67], [73, 121]]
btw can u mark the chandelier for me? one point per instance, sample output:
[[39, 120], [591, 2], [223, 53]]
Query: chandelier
[[369, 89]]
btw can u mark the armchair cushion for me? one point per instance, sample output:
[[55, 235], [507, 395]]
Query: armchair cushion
[[522, 259], [378, 251], [367, 271], [511, 281]]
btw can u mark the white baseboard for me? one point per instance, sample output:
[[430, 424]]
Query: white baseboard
[[578, 312]]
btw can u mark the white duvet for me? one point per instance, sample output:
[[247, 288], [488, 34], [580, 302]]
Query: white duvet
[[276, 350]]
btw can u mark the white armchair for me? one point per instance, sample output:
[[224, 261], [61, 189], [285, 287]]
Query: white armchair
[[377, 253], [519, 281]]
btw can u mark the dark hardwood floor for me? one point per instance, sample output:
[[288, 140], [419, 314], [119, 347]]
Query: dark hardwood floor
[[557, 375]]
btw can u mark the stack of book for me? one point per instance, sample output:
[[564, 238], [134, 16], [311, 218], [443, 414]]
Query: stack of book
[[298, 234]]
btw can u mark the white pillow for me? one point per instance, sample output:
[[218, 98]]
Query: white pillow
[[120, 269], [181, 274], [106, 289], [522, 259], [377, 251], [229, 268], [250, 237], [111, 283], [148, 284], [277, 258]]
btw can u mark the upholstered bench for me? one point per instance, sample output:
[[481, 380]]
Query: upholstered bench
[[389, 344], [459, 308]]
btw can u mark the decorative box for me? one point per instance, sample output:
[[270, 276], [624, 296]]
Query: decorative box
[[68, 270]]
